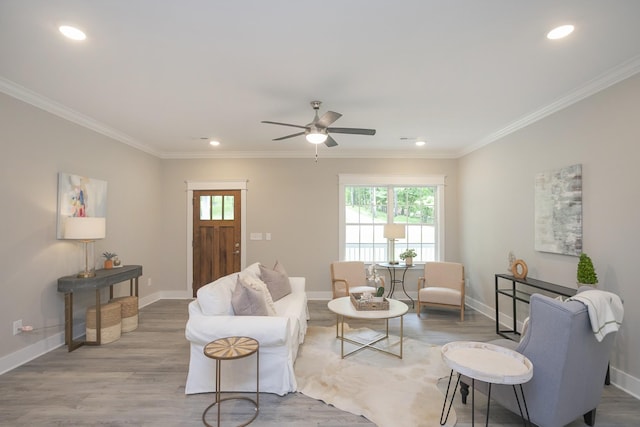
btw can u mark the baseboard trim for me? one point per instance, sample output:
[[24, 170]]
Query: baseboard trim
[[30, 352]]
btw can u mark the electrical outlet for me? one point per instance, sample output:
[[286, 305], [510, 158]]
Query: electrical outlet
[[149, 281], [17, 327]]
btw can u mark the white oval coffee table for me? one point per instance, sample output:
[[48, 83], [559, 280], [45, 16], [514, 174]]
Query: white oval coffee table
[[489, 363], [344, 308]]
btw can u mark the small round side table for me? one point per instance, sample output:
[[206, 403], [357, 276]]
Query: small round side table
[[489, 363], [231, 348]]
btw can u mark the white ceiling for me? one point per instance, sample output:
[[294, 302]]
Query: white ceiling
[[161, 74]]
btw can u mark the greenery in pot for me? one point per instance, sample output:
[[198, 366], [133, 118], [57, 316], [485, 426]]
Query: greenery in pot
[[409, 253], [109, 258], [586, 272]]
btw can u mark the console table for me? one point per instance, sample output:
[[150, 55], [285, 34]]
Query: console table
[[103, 278], [521, 290]]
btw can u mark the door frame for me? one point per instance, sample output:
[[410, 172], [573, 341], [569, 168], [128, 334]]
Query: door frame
[[215, 185]]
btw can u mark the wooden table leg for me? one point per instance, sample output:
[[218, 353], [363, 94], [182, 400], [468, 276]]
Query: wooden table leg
[[98, 318], [68, 319]]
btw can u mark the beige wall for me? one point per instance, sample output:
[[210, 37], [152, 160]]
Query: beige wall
[[497, 193], [35, 146], [296, 200]]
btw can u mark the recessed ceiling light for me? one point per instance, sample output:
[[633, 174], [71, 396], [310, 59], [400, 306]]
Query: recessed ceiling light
[[214, 143], [560, 32], [72, 32], [420, 143]]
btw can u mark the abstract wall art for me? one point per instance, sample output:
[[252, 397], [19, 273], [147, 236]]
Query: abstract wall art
[[558, 211], [80, 196]]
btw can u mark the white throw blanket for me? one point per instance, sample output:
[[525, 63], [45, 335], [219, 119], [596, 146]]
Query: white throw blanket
[[605, 311]]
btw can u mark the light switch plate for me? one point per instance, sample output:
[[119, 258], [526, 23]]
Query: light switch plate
[[255, 236]]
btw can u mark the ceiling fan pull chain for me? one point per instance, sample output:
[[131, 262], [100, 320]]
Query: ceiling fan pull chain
[[316, 152]]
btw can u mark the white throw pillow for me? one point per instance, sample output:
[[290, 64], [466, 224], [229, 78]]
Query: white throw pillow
[[258, 285], [215, 298], [253, 269]]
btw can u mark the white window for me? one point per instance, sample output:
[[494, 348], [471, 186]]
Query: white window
[[368, 202]]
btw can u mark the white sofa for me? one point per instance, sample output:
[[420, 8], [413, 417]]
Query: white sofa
[[211, 317]]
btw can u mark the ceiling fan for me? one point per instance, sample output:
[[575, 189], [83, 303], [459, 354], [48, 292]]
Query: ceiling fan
[[318, 130]]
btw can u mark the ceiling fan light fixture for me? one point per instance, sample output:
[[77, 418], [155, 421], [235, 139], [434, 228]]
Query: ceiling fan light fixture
[[316, 137], [421, 143]]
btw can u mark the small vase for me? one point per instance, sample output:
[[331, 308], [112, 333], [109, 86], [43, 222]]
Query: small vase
[[593, 285], [408, 261], [108, 264]]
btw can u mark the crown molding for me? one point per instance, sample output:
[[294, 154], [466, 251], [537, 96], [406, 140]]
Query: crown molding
[[369, 154], [23, 94], [605, 80]]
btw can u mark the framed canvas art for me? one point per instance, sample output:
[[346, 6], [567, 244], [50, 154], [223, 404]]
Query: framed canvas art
[[80, 196], [558, 211]]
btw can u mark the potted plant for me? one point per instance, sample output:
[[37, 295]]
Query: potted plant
[[586, 272], [407, 256], [108, 259]]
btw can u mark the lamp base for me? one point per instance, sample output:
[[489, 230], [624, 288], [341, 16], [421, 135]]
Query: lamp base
[[88, 254], [86, 274]]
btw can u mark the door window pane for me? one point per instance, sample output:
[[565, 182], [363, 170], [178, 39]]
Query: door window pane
[[228, 208], [216, 207], [205, 208]]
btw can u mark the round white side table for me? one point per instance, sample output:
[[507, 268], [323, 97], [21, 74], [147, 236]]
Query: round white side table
[[489, 363]]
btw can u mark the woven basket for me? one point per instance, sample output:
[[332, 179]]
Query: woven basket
[[129, 312], [110, 323]]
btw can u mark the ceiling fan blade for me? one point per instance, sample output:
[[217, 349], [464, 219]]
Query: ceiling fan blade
[[284, 124], [330, 142], [328, 118], [353, 131], [289, 136]]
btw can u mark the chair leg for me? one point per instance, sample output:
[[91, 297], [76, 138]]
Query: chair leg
[[464, 392], [590, 417]]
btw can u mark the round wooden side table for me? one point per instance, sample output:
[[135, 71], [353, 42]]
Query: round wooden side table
[[231, 348]]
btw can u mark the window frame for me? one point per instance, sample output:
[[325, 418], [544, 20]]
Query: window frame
[[345, 180]]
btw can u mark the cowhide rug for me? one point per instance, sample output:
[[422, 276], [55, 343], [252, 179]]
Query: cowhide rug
[[389, 391]]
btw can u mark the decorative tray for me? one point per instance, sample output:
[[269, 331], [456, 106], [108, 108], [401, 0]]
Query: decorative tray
[[368, 304]]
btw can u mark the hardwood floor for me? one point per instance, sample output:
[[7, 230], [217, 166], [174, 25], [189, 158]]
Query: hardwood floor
[[139, 381]]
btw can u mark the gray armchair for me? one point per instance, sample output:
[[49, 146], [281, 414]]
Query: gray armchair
[[569, 364]]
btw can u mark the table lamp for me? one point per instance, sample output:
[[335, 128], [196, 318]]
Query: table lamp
[[86, 230], [393, 232]]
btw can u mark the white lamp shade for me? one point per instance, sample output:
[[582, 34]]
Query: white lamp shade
[[394, 231], [85, 228]]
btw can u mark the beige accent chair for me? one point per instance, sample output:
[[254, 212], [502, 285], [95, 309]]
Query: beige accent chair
[[442, 286], [348, 277]]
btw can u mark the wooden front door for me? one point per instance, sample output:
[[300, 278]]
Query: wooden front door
[[216, 235]]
